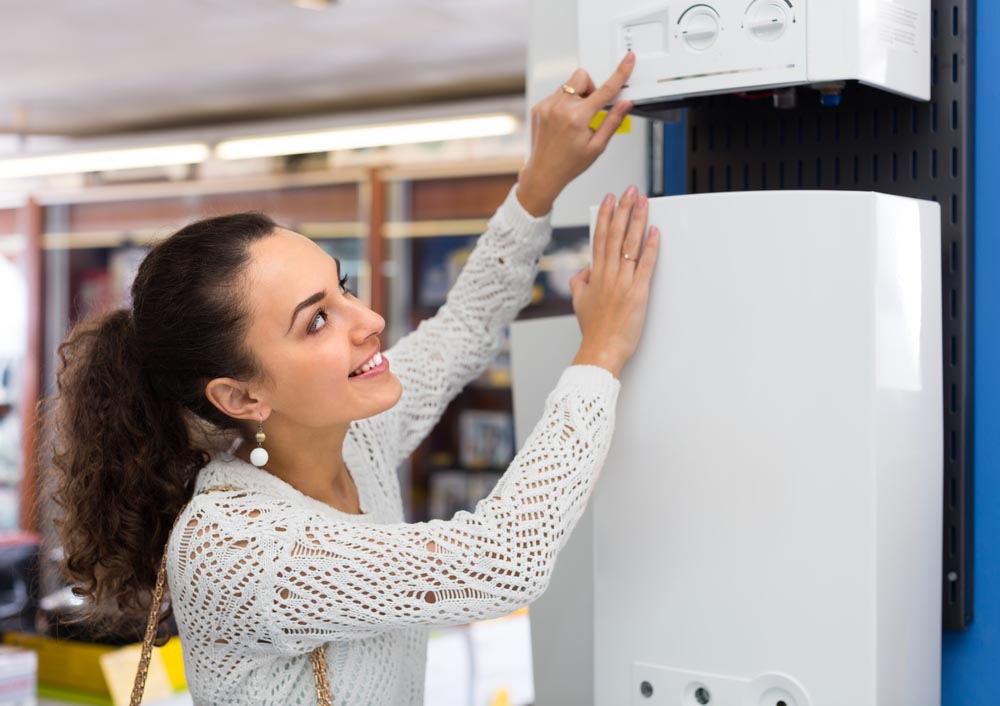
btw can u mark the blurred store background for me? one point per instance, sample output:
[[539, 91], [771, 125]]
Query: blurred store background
[[387, 130]]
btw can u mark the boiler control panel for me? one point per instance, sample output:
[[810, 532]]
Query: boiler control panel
[[689, 48]]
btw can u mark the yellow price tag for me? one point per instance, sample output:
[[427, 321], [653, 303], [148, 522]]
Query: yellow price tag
[[624, 128]]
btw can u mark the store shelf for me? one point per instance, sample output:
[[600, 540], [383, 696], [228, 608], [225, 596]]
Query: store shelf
[[198, 188], [502, 166], [434, 229], [102, 239], [331, 231], [148, 236]]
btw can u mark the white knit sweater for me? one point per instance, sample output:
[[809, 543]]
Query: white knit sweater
[[261, 576]]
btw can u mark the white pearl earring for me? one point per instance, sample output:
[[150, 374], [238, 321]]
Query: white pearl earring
[[258, 456]]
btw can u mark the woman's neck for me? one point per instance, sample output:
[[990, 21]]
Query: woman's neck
[[312, 462]]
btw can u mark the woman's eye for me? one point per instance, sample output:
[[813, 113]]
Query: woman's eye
[[343, 285], [321, 318]]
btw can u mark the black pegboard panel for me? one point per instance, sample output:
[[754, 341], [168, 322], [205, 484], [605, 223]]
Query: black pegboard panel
[[880, 142]]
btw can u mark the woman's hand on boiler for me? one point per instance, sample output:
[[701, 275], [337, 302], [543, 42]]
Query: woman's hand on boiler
[[563, 145], [610, 298]]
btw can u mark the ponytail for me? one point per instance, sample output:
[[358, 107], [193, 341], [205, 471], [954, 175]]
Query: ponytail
[[125, 467], [131, 409]]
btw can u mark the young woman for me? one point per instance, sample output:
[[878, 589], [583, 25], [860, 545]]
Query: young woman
[[240, 326]]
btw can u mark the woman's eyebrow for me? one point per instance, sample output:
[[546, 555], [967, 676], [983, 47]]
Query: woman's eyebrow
[[318, 296]]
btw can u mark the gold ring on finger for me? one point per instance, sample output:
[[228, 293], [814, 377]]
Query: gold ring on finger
[[566, 88], [628, 257]]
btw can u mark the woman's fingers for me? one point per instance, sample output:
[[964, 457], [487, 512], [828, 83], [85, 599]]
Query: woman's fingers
[[633, 236], [606, 93], [583, 83], [613, 120], [611, 303], [644, 270], [601, 230], [616, 233], [578, 281], [580, 82], [563, 144]]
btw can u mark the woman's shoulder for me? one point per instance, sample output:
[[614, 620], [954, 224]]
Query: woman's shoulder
[[229, 503], [225, 494], [225, 471], [228, 489], [229, 480]]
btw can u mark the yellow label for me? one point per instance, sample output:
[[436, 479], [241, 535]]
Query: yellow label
[[624, 128]]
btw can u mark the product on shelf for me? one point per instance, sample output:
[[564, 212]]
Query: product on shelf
[[455, 490], [18, 677], [486, 438]]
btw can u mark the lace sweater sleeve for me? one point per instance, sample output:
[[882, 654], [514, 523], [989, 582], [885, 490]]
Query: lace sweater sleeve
[[316, 579], [450, 349]]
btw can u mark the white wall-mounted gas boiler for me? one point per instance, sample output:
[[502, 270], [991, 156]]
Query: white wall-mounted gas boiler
[[691, 48], [767, 527]]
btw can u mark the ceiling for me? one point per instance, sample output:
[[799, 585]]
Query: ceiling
[[109, 66]]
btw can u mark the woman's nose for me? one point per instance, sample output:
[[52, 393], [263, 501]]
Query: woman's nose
[[367, 322]]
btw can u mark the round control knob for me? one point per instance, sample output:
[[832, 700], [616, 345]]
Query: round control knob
[[767, 20], [699, 27]]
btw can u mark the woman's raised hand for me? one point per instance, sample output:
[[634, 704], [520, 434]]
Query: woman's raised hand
[[562, 143], [611, 296]]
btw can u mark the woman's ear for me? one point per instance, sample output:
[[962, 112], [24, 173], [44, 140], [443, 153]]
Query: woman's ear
[[232, 398]]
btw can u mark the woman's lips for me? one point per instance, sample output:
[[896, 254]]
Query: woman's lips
[[382, 365]]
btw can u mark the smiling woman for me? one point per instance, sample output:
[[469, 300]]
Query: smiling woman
[[284, 564]]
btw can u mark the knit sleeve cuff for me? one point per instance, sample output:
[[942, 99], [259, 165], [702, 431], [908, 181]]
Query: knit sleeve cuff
[[591, 379], [526, 228]]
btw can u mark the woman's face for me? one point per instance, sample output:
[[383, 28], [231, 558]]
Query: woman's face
[[311, 337]]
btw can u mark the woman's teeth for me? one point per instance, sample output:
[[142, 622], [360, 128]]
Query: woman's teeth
[[373, 362]]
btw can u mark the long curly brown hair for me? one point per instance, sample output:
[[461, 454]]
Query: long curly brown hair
[[131, 397]]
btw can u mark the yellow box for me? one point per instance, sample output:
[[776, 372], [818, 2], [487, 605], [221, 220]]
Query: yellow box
[[97, 669]]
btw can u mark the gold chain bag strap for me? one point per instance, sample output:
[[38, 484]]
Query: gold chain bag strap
[[321, 677]]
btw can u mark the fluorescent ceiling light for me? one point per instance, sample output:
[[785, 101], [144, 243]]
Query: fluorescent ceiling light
[[369, 136], [108, 160]]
